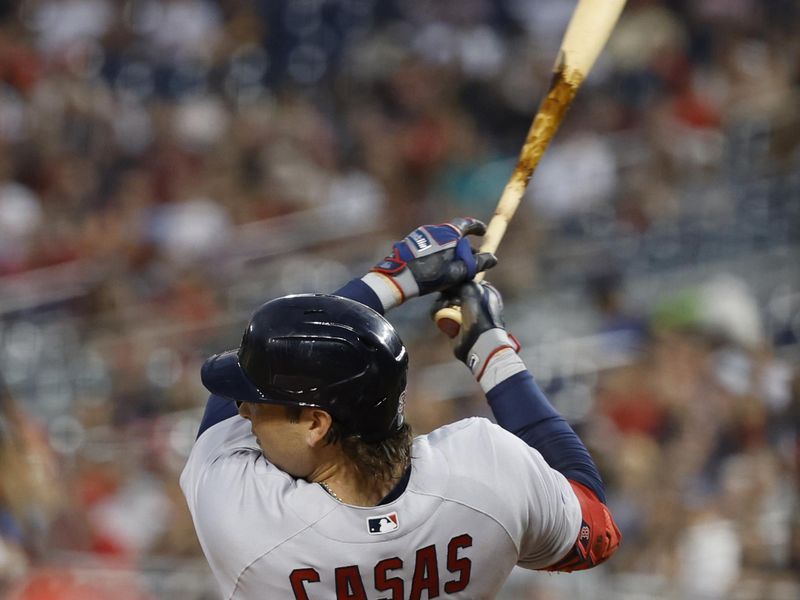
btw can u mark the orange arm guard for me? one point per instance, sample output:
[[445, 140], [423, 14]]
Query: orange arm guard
[[598, 537]]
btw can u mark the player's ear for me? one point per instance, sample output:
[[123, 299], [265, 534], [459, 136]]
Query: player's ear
[[318, 424]]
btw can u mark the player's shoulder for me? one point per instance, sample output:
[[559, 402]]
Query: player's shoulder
[[474, 438], [473, 429], [224, 456], [476, 463], [231, 436]]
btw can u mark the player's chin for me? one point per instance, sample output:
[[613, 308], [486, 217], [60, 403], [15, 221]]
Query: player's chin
[[270, 458], [264, 452], [287, 466]]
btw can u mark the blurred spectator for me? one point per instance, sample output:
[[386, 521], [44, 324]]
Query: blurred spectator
[[625, 330], [20, 217], [29, 498]]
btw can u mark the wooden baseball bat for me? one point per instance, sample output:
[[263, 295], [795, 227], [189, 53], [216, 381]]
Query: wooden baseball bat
[[588, 31]]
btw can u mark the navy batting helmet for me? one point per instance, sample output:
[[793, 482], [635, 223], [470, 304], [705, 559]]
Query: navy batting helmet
[[319, 351]]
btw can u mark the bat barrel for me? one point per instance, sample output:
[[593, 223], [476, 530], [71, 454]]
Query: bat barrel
[[588, 31]]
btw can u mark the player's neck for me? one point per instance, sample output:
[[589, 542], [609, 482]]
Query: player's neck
[[343, 482]]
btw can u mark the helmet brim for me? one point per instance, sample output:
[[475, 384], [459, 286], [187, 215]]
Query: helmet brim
[[222, 375]]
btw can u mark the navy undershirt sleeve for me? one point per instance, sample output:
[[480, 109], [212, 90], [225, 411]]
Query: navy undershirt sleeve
[[359, 291], [217, 410], [519, 406]]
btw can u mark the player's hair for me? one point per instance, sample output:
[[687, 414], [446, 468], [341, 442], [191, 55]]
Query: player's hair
[[377, 462], [380, 462]]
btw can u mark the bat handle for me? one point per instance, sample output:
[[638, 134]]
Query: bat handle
[[448, 320]]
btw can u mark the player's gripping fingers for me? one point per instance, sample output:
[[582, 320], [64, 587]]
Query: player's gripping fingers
[[467, 264], [481, 311], [429, 239], [429, 259], [485, 303], [468, 226], [481, 339], [484, 261], [448, 298], [466, 258]]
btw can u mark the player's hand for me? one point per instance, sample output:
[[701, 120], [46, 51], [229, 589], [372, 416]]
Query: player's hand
[[430, 259], [483, 332]]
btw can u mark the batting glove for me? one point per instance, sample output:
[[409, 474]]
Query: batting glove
[[483, 344], [431, 258]]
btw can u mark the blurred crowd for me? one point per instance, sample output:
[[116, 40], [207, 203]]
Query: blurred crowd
[[166, 165]]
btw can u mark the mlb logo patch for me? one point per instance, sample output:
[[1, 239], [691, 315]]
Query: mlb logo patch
[[383, 524]]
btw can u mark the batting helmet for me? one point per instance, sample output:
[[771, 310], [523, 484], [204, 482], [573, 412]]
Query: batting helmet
[[318, 351]]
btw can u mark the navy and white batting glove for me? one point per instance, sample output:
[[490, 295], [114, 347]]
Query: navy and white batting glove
[[430, 259], [483, 344]]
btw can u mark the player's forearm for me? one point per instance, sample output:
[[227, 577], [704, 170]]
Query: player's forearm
[[359, 291], [520, 406]]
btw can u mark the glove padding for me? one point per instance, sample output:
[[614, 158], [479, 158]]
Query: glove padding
[[482, 334], [430, 259]]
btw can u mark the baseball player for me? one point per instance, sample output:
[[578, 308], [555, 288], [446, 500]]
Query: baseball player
[[305, 481]]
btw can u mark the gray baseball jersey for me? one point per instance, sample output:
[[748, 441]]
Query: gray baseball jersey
[[479, 501]]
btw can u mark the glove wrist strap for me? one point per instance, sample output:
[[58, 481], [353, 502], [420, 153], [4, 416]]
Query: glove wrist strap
[[392, 290], [502, 365], [489, 359]]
